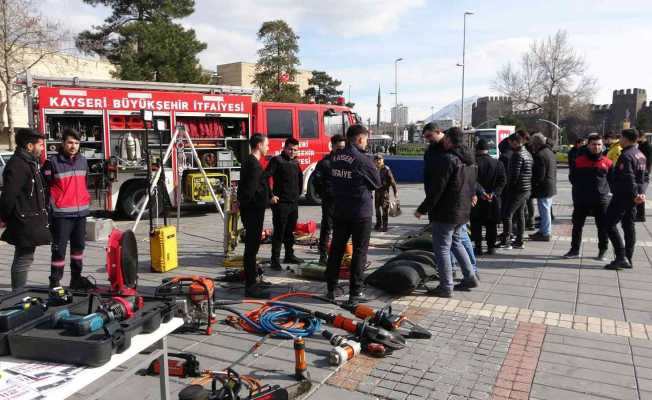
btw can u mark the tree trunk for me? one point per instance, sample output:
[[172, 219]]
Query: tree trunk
[[10, 119]]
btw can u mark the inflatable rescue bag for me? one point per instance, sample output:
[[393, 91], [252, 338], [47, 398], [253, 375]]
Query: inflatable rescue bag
[[421, 242], [401, 277]]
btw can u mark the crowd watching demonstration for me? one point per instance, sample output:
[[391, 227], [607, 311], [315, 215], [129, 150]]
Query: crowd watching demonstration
[[468, 195]]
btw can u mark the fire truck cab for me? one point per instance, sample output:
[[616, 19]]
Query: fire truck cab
[[218, 119], [311, 124]]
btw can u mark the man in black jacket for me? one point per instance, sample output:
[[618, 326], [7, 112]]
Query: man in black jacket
[[519, 189], [253, 197], [588, 176], [288, 185], [354, 177], [486, 213], [433, 135], [573, 153], [23, 204], [628, 189], [646, 149], [324, 187], [544, 184], [451, 190]]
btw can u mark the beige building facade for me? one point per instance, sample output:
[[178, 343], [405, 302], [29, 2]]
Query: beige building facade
[[243, 73], [59, 65]]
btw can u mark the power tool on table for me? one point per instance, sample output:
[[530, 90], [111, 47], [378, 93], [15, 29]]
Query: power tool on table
[[194, 297], [228, 385], [384, 317], [185, 365], [116, 309], [29, 308]]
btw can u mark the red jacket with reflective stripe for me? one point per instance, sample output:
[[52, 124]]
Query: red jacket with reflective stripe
[[66, 177]]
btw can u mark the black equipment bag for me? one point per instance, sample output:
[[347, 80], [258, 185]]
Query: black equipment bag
[[401, 276]]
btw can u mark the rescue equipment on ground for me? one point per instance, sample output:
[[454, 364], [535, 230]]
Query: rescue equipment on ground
[[194, 298]]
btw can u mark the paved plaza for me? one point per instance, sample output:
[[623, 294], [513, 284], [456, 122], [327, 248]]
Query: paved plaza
[[538, 327]]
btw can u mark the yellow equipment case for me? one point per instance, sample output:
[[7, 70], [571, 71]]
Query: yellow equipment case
[[163, 248]]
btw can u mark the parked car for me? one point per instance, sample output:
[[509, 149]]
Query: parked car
[[562, 153], [4, 157]]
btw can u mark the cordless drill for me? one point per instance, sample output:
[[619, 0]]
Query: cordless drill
[[117, 309]]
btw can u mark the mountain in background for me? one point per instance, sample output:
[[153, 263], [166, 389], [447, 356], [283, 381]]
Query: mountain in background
[[452, 111]]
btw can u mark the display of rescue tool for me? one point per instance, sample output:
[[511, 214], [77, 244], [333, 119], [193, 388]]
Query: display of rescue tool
[[343, 349], [229, 385], [384, 317], [122, 263], [114, 310], [194, 298], [129, 152], [180, 365], [363, 331]]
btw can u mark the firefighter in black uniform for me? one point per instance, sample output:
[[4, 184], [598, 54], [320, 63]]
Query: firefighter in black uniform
[[354, 177], [381, 196], [628, 188], [589, 174], [323, 186], [288, 184], [253, 197]]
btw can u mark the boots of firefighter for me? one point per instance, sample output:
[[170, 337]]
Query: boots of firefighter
[[385, 220], [291, 258], [81, 283], [275, 262], [323, 258], [379, 224]]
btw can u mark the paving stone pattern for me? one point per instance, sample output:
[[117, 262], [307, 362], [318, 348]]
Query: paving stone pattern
[[462, 360]]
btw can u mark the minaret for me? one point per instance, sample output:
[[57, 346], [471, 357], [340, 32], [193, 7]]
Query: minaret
[[378, 113]]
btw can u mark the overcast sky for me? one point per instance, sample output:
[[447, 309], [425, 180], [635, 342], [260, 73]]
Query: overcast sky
[[357, 41]]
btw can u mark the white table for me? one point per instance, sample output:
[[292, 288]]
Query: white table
[[138, 343]]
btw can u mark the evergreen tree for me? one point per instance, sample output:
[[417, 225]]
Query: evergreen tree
[[142, 41], [323, 88], [277, 62]]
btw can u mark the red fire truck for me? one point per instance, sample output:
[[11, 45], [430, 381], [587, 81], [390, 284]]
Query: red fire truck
[[219, 120]]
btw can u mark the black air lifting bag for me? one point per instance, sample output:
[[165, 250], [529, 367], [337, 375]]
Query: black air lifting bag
[[421, 242], [422, 256], [401, 277]]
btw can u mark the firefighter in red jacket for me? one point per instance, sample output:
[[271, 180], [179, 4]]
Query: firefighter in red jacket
[[65, 174]]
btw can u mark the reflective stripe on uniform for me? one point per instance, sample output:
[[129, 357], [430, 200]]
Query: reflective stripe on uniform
[[70, 209], [60, 175]]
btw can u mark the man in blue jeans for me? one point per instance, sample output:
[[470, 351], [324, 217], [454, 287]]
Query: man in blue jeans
[[544, 184], [453, 178]]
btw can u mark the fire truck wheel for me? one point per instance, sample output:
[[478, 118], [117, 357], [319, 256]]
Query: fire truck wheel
[[131, 196], [311, 192]]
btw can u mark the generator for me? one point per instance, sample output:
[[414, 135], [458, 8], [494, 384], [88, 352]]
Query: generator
[[163, 248], [194, 298], [197, 191]]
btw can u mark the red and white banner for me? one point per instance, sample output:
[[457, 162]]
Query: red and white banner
[[136, 100], [503, 131]]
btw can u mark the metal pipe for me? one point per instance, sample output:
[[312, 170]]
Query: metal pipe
[[463, 67]]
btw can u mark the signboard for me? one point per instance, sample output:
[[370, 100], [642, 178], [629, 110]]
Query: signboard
[[135, 100], [503, 131]]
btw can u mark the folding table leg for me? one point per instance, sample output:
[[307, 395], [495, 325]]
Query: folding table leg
[[164, 375]]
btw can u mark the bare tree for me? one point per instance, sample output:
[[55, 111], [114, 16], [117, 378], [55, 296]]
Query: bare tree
[[548, 72], [26, 39]]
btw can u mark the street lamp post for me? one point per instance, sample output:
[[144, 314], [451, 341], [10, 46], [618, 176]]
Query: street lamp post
[[556, 126], [396, 97], [463, 65]]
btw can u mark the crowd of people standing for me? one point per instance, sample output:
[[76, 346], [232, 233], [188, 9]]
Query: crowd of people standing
[[49, 203], [609, 183]]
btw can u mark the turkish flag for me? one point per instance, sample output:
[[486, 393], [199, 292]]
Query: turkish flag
[[284, 78]]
